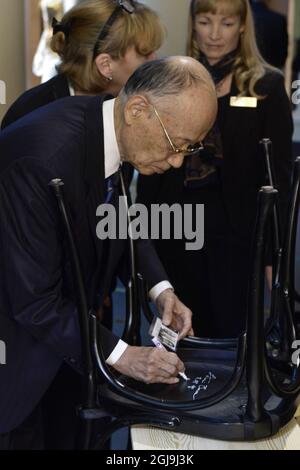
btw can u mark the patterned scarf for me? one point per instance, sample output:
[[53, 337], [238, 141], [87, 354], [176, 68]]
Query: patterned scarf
[[221, 69], [201, 168]]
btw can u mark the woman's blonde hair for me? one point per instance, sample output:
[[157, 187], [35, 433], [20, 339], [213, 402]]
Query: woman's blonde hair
[[83, 23], [249, 66]]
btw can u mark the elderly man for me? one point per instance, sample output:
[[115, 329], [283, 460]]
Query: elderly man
[[165, 110]]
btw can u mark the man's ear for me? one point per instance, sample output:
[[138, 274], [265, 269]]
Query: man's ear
[[137, 107], [104, 65]]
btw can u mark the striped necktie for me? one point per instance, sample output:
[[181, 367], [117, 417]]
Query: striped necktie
[[111, 185]]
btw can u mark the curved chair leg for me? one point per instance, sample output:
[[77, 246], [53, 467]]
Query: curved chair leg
[[85, 435]]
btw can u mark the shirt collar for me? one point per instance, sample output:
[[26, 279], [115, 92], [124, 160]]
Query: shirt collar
[[71, 89], [112, 159]]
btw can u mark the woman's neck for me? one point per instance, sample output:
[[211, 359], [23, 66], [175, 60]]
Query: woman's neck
[[224, 87], [82, 93], [213, 62]]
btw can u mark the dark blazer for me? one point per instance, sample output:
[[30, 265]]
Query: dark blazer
[[244, 170], [271, 34], [38, 317], [41, 95], [52, 90]]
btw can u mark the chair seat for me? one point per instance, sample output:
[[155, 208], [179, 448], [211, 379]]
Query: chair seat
[[208, 371], [225, 420]]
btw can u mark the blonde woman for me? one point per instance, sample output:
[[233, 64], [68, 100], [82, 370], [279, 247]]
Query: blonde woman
[[227, 175], [100, 43]]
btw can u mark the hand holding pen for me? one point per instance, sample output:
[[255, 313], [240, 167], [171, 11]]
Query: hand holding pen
[[159, 345]]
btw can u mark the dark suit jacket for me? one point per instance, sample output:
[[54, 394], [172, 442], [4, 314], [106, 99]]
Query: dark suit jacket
[[271, 34], [41, 95], [38, 317], [32, 99], [244, 170]]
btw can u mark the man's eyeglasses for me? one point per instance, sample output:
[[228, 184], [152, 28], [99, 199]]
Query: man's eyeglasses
[[125, 5], [188, 150]]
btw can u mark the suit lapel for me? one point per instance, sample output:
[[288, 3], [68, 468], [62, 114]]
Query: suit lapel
[[94, 167]]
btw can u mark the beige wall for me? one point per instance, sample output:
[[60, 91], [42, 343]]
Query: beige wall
[[279, 5], [174, 14], [12, 70]]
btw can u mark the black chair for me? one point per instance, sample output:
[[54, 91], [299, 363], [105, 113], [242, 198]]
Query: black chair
[[282, 321], [237, 392]]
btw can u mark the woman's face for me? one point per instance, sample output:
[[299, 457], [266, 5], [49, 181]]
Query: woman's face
[[217, 34], [124, 67]]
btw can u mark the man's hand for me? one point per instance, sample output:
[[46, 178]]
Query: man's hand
[[150, 365], [174, 313]]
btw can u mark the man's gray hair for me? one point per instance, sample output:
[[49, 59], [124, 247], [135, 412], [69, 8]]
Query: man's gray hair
[[160, 78]]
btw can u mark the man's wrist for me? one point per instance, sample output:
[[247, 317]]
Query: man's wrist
[[117, 353], [155, 292]]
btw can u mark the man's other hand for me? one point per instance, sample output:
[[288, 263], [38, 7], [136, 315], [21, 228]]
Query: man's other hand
[[174, 313]]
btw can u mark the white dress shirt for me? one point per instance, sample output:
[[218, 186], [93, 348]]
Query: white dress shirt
[[71, 89]]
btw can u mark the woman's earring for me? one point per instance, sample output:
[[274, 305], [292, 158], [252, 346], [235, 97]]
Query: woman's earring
[[109, 79]]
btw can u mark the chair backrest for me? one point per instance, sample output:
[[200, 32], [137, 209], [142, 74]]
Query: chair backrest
[[283, 292], [256, 348], [83, 310], [255, 314], [277, 225], [91, 338], [283, 304], [289, 245]]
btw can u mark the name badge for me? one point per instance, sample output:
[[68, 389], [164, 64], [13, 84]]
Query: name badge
[[243, 102]]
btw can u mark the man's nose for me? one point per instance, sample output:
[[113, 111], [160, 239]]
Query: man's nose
[[176, 160]]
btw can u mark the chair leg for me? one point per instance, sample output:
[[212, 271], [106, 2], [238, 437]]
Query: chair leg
[[85, 435], [166, 422], [109, 431]]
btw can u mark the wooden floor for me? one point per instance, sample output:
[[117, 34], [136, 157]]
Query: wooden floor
[[148, 438]]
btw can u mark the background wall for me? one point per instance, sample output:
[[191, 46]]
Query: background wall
[[279, 5], [174, 14], [12, 61]]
